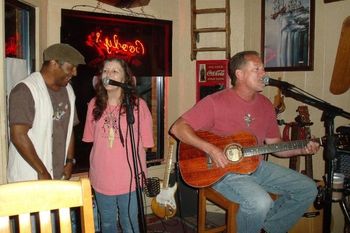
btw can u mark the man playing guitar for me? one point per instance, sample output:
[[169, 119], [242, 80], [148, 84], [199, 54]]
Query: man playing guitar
[[244, 112]]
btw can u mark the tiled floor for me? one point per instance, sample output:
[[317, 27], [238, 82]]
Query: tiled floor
[[171, 225], [213, 219], [185, 225]]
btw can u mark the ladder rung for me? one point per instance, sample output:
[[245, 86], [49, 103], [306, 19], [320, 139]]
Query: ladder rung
[[210, 10], [209, 30], [222, 28], [209, 49]]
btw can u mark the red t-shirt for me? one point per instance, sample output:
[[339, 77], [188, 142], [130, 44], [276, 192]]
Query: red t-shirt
[[225, 113]]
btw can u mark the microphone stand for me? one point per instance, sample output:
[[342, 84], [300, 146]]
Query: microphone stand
[[329, 113], [130, 120]]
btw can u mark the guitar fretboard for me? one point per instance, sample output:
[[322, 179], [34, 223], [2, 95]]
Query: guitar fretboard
[[278, 147], [168, 163]]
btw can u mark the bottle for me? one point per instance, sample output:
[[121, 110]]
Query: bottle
[[202, 73]]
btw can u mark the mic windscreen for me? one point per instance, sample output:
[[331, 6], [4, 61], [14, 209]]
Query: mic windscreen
[[105, 81], [266, 80]]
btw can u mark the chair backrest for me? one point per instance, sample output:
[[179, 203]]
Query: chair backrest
[[42, 196]]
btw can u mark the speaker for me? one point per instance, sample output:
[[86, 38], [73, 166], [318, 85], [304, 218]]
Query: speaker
[[186, 197], [342, 159]]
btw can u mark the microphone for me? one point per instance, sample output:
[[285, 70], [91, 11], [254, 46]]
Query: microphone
[[107, 81], [276, 83]]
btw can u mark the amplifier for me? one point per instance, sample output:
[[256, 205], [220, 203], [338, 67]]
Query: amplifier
[[343, 163], [343, 151]]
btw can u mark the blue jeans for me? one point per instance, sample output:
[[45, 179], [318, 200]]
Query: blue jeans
[[113, 207], [296, 192]]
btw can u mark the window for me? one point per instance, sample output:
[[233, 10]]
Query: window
[[20, 32], [144, 43]]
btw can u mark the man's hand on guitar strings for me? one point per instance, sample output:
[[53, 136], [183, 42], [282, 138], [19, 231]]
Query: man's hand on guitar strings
[[218, 157]]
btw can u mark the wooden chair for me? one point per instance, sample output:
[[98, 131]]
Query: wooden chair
[[230, 207], [23, 198]]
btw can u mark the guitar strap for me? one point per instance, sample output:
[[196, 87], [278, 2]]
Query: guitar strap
[[286, 131], [293, 131], [296, 133]]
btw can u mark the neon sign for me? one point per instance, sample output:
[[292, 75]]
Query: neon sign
[[114, 45], [144, 43], [12, 48]]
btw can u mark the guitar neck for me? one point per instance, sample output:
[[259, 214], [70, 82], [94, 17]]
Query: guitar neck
[[166, 176], [278, 147], [168, 165]]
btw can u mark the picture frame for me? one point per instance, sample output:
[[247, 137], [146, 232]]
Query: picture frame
[[287, 34], [328, 1]]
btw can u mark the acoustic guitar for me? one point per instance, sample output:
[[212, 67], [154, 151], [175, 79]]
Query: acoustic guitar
[[164, 205], [278, 102], [301, 130], [197, 169]]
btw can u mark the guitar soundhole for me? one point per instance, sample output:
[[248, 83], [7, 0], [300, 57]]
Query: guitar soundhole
[[233, 153]]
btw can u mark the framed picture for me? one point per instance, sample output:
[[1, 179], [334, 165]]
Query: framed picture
[[287, 33], [327, 1]]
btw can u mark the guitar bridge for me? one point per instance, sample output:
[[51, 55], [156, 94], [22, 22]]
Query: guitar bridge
[[209, 161]]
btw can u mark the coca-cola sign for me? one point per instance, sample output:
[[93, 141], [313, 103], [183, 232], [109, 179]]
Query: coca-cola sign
[[216, 73], [212, 76]]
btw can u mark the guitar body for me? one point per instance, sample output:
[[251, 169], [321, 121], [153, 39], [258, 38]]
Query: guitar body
[[164, 204], [196, 168]]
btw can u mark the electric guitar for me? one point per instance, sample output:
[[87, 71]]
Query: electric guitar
[[164, 205], [197, 169]]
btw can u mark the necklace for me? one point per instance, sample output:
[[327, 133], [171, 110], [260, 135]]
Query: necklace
[[246, 106], [111, 121], [248, 119]]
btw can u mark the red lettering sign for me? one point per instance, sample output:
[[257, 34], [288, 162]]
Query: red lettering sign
[[115, 45]]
